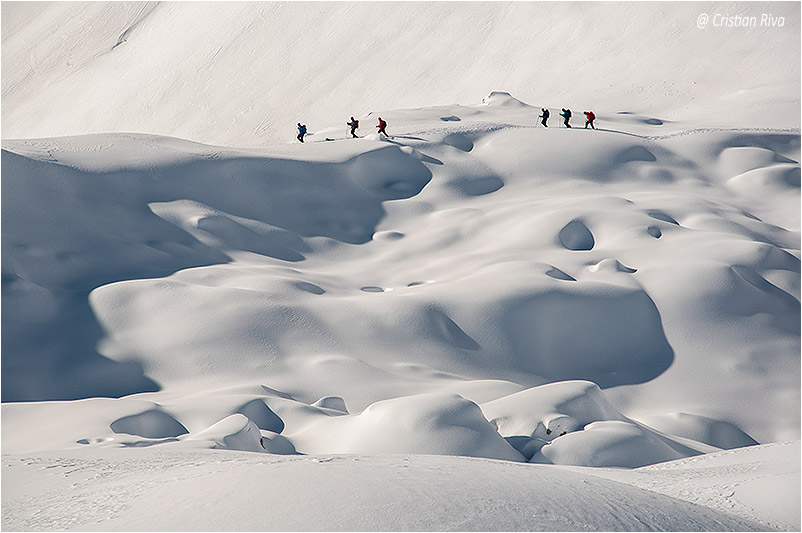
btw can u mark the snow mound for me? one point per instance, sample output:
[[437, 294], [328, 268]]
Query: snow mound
[[736, 160], [235, 432], [502, 99], [548, 410], [531, 418], [389, 173], [154, 424], [700, 428], [459, 141], [778, 178], [277, 444], [612, 265], [261, 415], [334, 403], [571, 332], [609, 443], [433, 424], [220, 230], [572, 423]]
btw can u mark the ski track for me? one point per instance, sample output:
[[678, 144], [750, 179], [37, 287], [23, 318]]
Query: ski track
[[491, 127]]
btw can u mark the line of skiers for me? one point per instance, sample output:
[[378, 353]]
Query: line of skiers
[[353, 124], [566, 114]]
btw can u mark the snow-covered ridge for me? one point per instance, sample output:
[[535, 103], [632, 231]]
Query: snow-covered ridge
[[243, 73]]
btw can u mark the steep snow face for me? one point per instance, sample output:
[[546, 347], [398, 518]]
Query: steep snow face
[[244, 73]]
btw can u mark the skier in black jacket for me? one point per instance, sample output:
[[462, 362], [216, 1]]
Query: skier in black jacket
[[544, 116], [354, 125]]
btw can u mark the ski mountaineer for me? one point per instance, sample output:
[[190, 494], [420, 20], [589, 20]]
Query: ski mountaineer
[[354, 125], [301, 132], [381, 126], [589, 118], [544, 116], [566, 114]]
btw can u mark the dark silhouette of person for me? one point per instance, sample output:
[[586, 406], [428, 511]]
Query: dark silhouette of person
[[354, 125], [544, 116]]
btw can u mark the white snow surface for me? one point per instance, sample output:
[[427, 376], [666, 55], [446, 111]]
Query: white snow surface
[[167, 488], [494, 324]]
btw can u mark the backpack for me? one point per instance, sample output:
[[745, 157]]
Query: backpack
[[567, 113], [355, 123], [302, 129], [382, 124], [591, 116]]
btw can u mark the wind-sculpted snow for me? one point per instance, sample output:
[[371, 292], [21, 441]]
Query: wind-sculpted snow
[[572, 423], [701, 429], [238, 432], [430, 424], [610, 443], [151, 216], [606, 334], [152, 424], [369, 295]]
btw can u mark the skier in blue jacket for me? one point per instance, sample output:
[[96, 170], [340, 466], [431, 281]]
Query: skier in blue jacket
[[301, 132], [566, 114]]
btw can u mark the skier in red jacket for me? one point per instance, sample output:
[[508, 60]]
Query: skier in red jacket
[[589, 118], [381, 126]]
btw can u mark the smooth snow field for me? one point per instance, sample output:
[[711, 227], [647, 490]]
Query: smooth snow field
[[474, 323]]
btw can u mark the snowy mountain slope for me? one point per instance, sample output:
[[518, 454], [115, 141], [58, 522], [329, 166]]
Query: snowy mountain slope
[[243, 73], [171, 489]]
